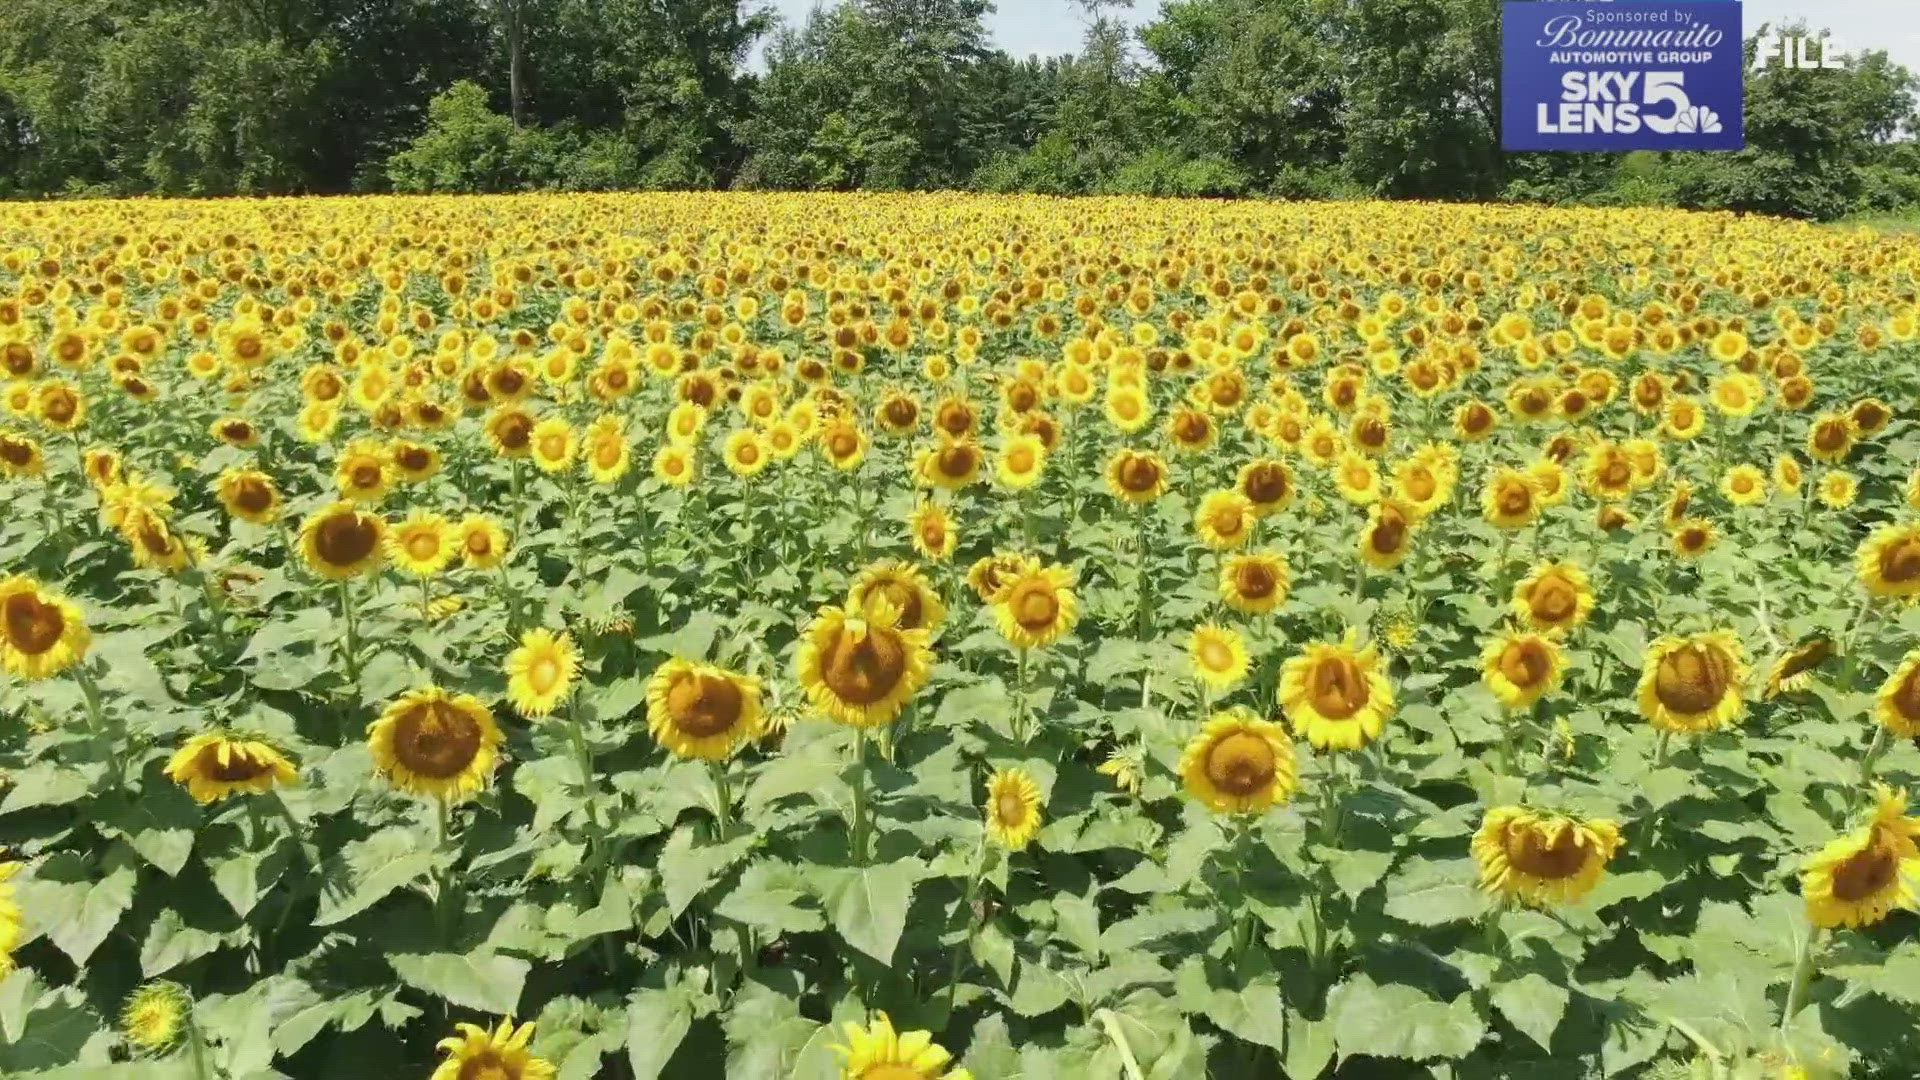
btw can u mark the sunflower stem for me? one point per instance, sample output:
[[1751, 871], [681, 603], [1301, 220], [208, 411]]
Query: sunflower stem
[[1146, 581], [351, 645], [583, 756], [1240, 913], [1020, 731], [1660, 748], [97, 722], [1867, 764], [858, 833], [1803, 965], [197, 1045], [973, 923], [722, 799], [426, 600], [443, 872]]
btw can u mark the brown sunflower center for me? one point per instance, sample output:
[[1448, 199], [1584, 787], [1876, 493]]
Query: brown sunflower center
[[704, 705], [1525, 664], [436, 740], [606, 453], [1900, 561], [955, 419], [1869, 415], [866, 670], [1693, 678], [423, 545], [1388, 536], [1241, 764], [514, 432], [58, 407], [1255, 580], [16, 452], [1830, 436], [902, 413], [345, 539], [1139, 474], [957, 461], [365, 476], [479, 543], [1021, 460], [414, 458], [1616, 473], [1420, 485], [843, 443], [1551, 857], [1009, 808], [1034, 605], [747, 454], [488, 1066], [1515, 500], [238, 767], [237, 430], [1477, 420], [1865, 874], [1190, 428], [33, 626], [1337, 687], [1267, 483], [1553, 600]]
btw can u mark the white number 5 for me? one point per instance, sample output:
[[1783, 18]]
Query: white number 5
[[1665, 86]]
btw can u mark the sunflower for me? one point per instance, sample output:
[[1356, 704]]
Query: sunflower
[[1793, 671], [1336, 694], [21, 455], [483, 543], [1549, 481], [952, 465], [436, 745], [343, 541], [1870, 416], [1889, 560], [1693, 685], [1388, 535], [1858, 879], [990, 575], [554, 445], [214, 765], [1013, 808], [1254, 583], [674, 465], [1224, 520], [1542, 859], [477, 1054], [156, 546], [1474, 421], [155, 1016], [605, 451], [363, 472], [44, 633], [413, 462], [1555, 596], [1831, 438], [1838, 489], [61, 407], [915, 604], [317, 420], [1219, 656], [236, 431], [1522, 668], [1685, 419], [1897, 705], [1239, 764], [701, 711], [860, 669], [1357, 478], [1787, 474], [877, 1052], [1022, 458], [510, 430], [934, 533], [844, 444], [1128, 409], [1512, 499], [1609, 472], [1693, 537], [1136, 476], [249, 495], [541, 671], [1037, 606], [423, 544], [1744, 485]]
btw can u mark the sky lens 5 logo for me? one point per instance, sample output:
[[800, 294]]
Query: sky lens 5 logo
[[1599, 76]]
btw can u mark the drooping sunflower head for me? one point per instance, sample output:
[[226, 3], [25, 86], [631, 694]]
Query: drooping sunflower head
[[1219, 656], [1555, 596], [1254, 583], [343, 541], [1889, 560], [216, 764], [861, 669], [475, 1053], [1793, 671], [702, 711], [1542, 859], [1239, 764], [876, 1051], [1522, 668], [1831, 438], [540, 671], [155, 1016], [1037, 606], [1013, 808], [1335, 694], [1693, 685], [992, 574], [250, 495], [436, 745], [44, 633], [1136, 476], [1859, 879]]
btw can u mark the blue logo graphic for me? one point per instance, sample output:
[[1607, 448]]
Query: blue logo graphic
[[1601, 76]]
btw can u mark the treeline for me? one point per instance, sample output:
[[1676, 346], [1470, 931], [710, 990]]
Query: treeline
[[1300, 98]]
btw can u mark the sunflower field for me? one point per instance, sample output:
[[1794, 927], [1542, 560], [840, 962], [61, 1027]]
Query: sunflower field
[[899, 637]]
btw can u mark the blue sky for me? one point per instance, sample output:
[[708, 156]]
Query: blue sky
[[1053, 26]]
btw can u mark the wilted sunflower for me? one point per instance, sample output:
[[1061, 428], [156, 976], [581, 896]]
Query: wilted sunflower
[[483, 543], [1889, 560], [1858, 879], [1693, 537], [540, 671], [990, 575], [1335, 694], [1521, 669], [1013, 808], [1219, 656], [702, 711], [1897, 705], [1542, 859], [1793, 671], [1239, 764], [1136, 476], [861, 669], [934, 534], [155, 1016], [1224, 520], [1254, 583], [436, 745], [343, 541], [1037, 606], [1555, 596], [156, 546], [1388, 535], [904, 590], [477, 1054], [44, 633], [1512, 499], [877, 1052], [363, 472], [1693, 685], [215, 764]]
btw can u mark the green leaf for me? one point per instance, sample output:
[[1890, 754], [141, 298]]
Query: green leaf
[[768, 897], [1533, 1004], [765, 1031], [691, 642], [241, 878], [657, 1020], [1430, 892], [1078, 922], [1357, 870], [1310, 1046], [1400, 1021], [159, 826], [486, 982], [868, 905], [1040, 990], [365, 871], [686, 869], [78, 915], [45, 784], [171, 942], [1256, 1014]]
